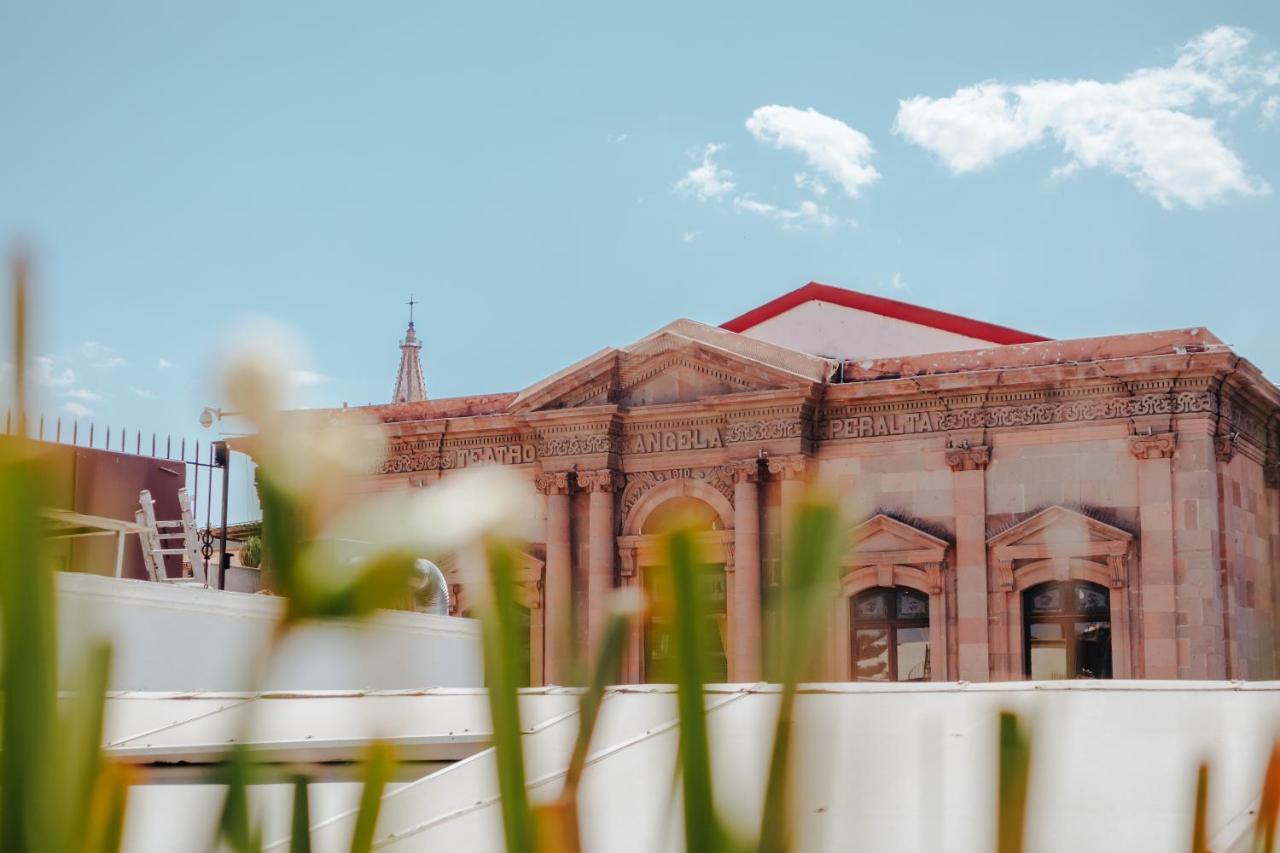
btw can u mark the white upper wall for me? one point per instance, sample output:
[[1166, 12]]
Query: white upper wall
[[835, 331]]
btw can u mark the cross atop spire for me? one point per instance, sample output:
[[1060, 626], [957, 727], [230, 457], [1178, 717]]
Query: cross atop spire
[[410, 386]]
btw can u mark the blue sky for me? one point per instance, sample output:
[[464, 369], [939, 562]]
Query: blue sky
[[524, 171]]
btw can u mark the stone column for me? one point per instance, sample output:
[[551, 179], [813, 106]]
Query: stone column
[[790, 470], [558, 583], [601, 544], [969, 495], [1156, 570], [745, 662]]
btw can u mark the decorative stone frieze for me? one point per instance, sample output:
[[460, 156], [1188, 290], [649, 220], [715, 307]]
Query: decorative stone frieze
[[787, 467], [849, 424], [552, 484], [578, 444], [973, 458], [1159, 446], [719, 477], [739, 432]]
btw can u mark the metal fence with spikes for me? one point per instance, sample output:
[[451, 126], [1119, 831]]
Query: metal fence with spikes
[[208, 467]]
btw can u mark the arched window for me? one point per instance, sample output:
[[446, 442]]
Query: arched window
[[890, 636], [1068, 630]]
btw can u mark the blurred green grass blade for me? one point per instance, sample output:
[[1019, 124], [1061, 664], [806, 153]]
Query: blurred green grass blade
[[105, 824], [702, 829], [300, 821], [500, 634], [235, 825], [613, 641], [282, 537], [1264, 829], [1200, 829], [378, 768], [816, 543], [28, 794], [80, 745], [1014, 770]]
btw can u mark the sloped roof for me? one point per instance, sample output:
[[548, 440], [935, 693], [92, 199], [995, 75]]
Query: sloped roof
[[816, 292]]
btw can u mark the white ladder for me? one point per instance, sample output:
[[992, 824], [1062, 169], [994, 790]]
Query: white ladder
[[155, 539]]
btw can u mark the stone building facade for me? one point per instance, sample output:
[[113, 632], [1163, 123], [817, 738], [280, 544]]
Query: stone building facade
[[1018, 507]]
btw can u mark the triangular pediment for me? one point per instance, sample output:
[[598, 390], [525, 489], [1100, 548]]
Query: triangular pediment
[[1060, 528], [680, 363], [883, 539]]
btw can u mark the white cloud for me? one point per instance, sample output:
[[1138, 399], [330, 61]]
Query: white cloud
[[1140, 127], [688, 236], [897, 282], [45, 374], [100, 355], [76, 410], [795, 219], [831, 146], [307, 378], [82, 394], [708, 180], [1271, 109], [618, 139], [805, 181], [164, 364], [141, 392]]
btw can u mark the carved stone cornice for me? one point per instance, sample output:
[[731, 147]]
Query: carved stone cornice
[[745, 470], [787, 467], [1158, 446], [552, 483], [604, 480], [974, 458]]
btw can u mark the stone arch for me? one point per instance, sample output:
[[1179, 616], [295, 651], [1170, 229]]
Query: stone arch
[[682, 487]]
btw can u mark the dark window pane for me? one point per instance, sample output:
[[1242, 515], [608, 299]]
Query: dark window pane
[[870, 605], [1093, 650], [1092, 599], [912, 605], [871, 654], [1047, 631], [913, 654], [1046, 599]]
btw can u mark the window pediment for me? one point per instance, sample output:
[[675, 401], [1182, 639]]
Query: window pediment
[[883, 540], [1065, 538]]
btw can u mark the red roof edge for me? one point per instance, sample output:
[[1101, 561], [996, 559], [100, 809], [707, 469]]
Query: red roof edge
[[815, 292]]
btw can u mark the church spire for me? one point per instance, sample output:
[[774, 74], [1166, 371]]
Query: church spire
[[410, 386]]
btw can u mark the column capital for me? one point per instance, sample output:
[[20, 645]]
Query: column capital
[[604, 480], [1224, 446], [1157, 446], [1271, 473], [973, 458], [745, 470], [787, 467], [552, 484]]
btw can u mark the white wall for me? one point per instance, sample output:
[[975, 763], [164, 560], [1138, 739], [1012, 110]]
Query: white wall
[[174, 638], [834, 331]]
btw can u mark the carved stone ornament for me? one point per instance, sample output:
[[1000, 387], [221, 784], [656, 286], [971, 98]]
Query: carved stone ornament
[[579, 444], [1158, 446], [1271, 473], [719, 477], [973, 458], [552, 484], [787, 467], [604, 480], [763, 430], [745, 471], [1224, 446]]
